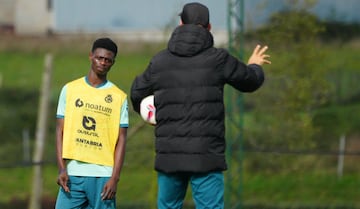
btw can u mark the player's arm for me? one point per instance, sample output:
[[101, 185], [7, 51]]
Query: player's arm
[[110, 188], [246, 77], [63, 177], [119, 153], [60, 115]]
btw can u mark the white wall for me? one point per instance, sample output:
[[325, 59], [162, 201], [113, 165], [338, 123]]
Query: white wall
[[7, 12], [32, 17]]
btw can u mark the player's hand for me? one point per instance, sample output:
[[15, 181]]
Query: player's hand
[[259, 57], [62, 181], [109, 190]]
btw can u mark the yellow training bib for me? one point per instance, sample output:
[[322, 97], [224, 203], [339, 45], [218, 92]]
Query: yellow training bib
[[91, 123]]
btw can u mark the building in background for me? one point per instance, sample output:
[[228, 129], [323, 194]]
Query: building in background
[[33, 17], [24, 17], [7, 12]]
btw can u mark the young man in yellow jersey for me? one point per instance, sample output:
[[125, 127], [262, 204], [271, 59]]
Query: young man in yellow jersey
[[91, 129]]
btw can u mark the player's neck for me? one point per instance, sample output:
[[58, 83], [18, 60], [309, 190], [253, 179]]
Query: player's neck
[[96, 80]]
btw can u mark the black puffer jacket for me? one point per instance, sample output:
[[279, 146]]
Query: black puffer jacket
[[188, 80]]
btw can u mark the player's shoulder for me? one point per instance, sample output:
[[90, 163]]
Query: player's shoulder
[[164, 53], [116, 88], [76, 81], [221, 51]]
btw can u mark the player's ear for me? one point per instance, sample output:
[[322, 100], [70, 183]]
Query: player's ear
[[90, 55], [209, 27]]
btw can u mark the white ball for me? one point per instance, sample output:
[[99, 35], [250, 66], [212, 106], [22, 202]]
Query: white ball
[[148, 110]]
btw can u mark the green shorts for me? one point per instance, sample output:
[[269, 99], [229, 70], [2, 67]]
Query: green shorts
[[85, 192]]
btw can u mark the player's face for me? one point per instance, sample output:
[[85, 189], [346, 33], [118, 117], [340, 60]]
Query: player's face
[[101, 61]]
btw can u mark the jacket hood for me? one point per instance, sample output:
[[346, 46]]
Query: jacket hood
[[188, 40]]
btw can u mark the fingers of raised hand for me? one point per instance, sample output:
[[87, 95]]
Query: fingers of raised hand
[[259, 51], [263, 50], [256, 50], [265, 59]]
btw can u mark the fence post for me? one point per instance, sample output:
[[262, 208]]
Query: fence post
[[26, 145], [340, 167], [1, 80], [36, 189]]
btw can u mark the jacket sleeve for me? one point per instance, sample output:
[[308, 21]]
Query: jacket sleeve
[[245, 78], [141, 88]]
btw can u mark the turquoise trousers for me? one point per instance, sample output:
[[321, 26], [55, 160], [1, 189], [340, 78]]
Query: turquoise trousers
[[85, 193], [207, 190]]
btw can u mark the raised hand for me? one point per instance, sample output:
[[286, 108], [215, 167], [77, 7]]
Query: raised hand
[[258, 57]]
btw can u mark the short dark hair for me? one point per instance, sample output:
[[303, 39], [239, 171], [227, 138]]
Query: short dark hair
[[195, 13], [105, 43]]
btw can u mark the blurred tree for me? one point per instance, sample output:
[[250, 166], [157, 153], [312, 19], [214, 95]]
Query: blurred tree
[[17, 115], [295, 82]]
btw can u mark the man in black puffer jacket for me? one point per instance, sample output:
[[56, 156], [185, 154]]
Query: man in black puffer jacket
[[187, 80]]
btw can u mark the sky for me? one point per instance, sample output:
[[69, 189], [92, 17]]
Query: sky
[[116, 15]]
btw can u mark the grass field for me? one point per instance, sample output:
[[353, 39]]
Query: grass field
[[138, 187], [311, 185]]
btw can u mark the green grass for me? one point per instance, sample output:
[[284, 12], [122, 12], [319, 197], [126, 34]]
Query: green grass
[[301, 188], [134, 186], [138, 186]]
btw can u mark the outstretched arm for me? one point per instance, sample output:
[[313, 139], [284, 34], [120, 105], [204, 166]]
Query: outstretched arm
[[246, 77]]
